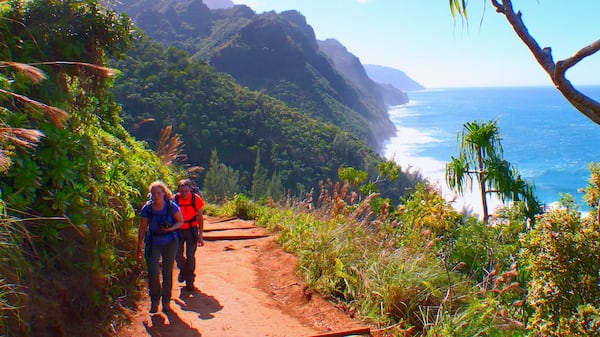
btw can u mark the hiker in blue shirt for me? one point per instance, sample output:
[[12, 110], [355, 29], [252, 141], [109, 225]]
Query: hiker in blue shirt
[[157, 234]]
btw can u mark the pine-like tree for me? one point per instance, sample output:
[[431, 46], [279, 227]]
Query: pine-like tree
[[221, 181]]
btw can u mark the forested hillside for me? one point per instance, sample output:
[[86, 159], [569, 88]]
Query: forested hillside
[[69, 195], [270, 52], [211, 112]]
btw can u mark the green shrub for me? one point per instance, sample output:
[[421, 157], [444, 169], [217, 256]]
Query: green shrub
[[562, 254]]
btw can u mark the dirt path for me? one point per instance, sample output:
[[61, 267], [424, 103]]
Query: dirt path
[[247, 287]]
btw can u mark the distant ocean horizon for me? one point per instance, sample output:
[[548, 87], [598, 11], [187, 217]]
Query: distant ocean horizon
[[547, 140]]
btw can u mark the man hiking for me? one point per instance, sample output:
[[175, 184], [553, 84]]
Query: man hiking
[[190, 233]]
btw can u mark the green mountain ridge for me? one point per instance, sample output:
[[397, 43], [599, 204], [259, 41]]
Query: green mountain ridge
[[304, 145], [210, 111], [272, 52]]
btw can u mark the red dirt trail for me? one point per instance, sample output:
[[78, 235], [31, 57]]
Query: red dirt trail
[[246, 287]]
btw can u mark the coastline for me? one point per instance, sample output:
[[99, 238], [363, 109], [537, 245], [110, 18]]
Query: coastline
[[553, 156], [405, 147]]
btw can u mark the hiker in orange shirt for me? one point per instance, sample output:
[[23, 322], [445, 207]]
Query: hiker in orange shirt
[[190, 233]]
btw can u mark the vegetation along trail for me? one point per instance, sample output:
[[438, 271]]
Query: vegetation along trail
[[246, 287]]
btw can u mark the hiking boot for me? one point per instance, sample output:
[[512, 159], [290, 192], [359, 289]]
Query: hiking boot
[[154, 307], [189, 287]]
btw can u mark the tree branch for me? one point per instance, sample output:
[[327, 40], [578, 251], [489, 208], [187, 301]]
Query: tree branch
[[557, 72], [579, 55], [543, 56]]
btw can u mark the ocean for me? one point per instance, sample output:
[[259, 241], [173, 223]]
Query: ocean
[[543, 136]]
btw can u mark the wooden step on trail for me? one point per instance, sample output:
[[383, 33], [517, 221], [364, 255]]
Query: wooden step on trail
[[221, 219], [352, 332], [222, 229]]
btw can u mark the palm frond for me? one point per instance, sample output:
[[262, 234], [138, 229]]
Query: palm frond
[[458, 7]]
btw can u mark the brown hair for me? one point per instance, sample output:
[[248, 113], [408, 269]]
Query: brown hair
[[184, 182], [163, 186]]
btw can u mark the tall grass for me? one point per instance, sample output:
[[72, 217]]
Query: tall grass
[[398, 271], [12, 265], [421, 269], [366, 270]]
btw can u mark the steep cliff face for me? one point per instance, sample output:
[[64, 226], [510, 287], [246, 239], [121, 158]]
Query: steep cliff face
[[350, 67], [392, 95], [396, 78], [274, 53]]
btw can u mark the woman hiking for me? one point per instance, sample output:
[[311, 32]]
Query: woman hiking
[[157, 234]]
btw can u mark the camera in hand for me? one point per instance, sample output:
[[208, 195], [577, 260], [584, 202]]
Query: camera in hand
[[164, 225]]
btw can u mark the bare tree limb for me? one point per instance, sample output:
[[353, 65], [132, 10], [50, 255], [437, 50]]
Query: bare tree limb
[[557, 71], [543, 56], [580, 55]]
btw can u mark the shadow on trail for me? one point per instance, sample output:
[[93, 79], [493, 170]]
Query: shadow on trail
[[169, 325], [197, 301]]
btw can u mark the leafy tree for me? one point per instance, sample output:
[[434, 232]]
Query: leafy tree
[[352, 175], [275, 188], [220, 181], [259, 180], [387, 172], [263, 186], [480, 156], [555, 69]]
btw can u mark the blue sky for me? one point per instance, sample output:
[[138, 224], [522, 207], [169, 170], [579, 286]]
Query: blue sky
[[421, 38]]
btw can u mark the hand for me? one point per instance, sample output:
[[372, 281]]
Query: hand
[[200, 242]]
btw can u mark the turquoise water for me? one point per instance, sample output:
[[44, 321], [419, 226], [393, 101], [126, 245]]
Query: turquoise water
[[543, 136]]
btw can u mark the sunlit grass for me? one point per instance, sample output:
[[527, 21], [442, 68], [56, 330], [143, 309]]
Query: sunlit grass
[[12, 265], [385, 271]]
